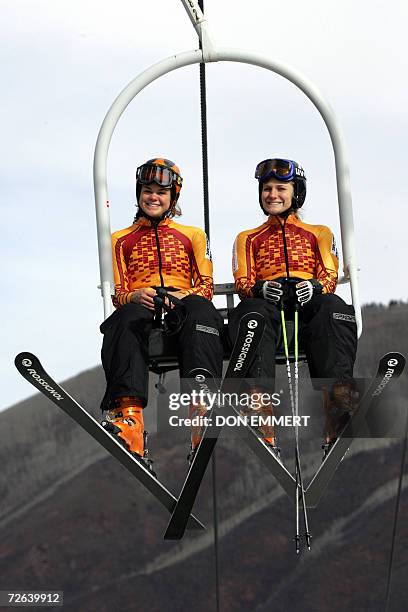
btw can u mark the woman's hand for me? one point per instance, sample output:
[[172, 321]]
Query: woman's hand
[[144, 297], [306, 289], [272, 292]]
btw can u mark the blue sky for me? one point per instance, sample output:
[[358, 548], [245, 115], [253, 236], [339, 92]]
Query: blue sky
[[63, 65]]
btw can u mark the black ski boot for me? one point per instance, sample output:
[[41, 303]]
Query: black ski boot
[[339, 405]]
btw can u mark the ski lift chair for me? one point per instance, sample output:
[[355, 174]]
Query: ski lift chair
[[163, 348]]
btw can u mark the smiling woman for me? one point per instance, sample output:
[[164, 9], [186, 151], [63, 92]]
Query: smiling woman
[[157, 264], [158, 186], [286, 264]]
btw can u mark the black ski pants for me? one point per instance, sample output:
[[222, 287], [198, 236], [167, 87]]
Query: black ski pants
[[125, 348], [327, 333]]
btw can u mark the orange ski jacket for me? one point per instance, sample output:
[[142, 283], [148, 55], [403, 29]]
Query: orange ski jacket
[[179, 252], [281, 248]]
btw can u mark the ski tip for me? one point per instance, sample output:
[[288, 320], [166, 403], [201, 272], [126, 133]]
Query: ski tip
[[24, 356], [395, 360], [391, 365], [25, 359], [395, 354]]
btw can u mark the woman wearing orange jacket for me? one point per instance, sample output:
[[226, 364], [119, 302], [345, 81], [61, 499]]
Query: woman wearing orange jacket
[[287, 262], [152, 258]]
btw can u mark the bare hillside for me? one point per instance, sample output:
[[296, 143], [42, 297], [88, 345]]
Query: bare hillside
[[73, 519]]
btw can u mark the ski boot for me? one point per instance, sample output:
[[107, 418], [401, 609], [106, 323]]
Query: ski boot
[[327, 446], [125, 423], [274, 448], [339, 404], [200, 411], [267, 430]]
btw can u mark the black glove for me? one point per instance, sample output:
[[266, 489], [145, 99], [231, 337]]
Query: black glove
[[163, 295], [173, 306]]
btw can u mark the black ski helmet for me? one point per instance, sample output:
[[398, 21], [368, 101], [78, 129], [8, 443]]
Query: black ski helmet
[[285, 170]]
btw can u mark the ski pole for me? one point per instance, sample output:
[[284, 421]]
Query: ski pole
[[285, 344], [305, 519], [294, 404]]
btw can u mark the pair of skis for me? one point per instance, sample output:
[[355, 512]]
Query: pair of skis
[[390, 368], [248, 338], [31, 369]]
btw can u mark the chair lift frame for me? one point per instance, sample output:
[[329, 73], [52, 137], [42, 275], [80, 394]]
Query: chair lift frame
[[210, 53]]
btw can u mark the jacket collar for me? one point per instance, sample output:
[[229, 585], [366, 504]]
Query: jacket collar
[[275, 220], [145, 222]]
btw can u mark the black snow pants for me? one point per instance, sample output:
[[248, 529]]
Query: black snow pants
[[327, 333], [125, 354]]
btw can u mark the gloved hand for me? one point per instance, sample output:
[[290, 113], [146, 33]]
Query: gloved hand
[[272, 291], [168, 300], [306, 289]]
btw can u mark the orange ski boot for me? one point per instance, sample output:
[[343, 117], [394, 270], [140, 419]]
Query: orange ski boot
[[268, 430], [197, 412], [125, 422], [263, 409]]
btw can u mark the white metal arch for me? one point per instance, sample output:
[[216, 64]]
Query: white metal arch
[[233, 55]]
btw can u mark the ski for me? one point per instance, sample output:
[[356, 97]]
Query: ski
[[390, 367], [177, 523], [252, 326], [31, 369]]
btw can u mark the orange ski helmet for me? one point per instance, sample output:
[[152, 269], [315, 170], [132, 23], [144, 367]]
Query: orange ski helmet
[[163, 172]]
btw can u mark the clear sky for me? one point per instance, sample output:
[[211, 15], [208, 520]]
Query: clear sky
[[64, 62]]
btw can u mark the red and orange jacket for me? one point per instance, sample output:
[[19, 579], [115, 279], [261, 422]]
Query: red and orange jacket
[[184, 259], [261, 254]]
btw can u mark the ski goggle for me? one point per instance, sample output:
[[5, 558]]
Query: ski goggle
[[164, 177], [282, 169]]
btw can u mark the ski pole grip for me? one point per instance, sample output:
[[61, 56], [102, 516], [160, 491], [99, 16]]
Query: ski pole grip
[[161, 292]]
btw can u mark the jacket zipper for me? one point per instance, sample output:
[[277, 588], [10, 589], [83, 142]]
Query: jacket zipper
[[158, 252], [285, 246]]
